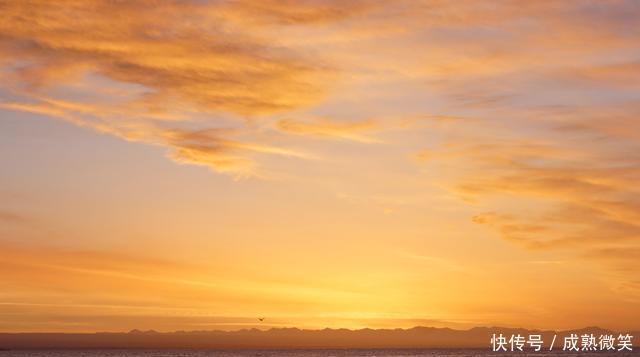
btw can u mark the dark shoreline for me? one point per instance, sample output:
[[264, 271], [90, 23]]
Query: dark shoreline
[[283, 338]]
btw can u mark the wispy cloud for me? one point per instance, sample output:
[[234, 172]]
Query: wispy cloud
[[327, 128], [564, 192], [168, 59]]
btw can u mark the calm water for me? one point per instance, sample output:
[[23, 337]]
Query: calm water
[[302, 353]]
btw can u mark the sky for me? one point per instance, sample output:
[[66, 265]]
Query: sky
[[196, 165]]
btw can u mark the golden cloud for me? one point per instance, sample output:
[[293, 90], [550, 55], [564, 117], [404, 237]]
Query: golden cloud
[[162, 60], [323, 127], [564, 192], [180, 51]]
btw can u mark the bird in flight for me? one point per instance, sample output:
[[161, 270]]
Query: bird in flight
[[261, 319]]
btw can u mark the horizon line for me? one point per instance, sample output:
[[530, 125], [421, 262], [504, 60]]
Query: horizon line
[[257, 329]]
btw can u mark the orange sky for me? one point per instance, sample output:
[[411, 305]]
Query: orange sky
[[195, 165]]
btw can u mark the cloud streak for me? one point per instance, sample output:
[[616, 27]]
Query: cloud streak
[[326, 128]]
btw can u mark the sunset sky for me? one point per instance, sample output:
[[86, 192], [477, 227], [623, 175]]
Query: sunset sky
[[195, 165]]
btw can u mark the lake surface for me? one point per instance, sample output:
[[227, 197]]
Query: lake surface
[[304, 353]]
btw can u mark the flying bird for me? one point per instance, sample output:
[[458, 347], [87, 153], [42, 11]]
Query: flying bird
[[261, 319]]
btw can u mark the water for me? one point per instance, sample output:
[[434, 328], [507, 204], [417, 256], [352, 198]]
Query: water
[[304, 353]]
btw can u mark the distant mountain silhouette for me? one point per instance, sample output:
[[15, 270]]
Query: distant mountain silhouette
[[417, 337], [148, 332]]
